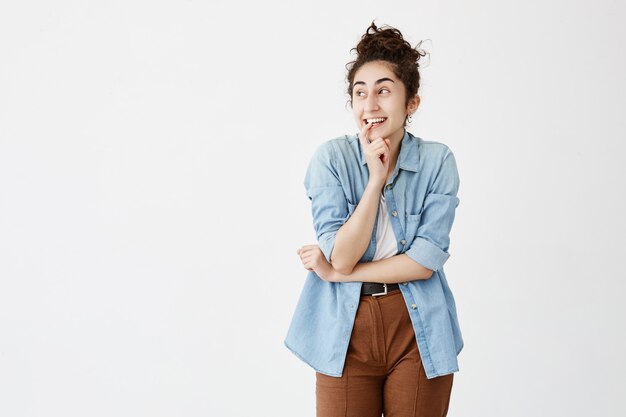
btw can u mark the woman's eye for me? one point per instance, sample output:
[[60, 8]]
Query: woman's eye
[[386, 90], [360, 93]]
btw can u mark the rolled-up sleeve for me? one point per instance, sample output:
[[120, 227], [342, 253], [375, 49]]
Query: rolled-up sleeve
[[329, 204], [432, 240]]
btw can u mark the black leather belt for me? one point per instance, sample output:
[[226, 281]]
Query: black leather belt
[[375, 289]]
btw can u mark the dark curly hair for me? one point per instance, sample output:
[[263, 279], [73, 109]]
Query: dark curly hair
[[387, 44]]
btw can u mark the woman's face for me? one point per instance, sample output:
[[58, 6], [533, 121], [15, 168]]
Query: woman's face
[[379, 96]]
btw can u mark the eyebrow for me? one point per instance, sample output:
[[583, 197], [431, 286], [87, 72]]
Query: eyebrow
[[377, 82]]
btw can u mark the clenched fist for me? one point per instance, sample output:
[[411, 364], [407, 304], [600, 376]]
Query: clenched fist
[[313, 259]]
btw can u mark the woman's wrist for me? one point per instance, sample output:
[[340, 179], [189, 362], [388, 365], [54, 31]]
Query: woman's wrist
[[375, 185]]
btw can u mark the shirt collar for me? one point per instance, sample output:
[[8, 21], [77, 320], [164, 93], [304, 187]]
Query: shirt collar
[[409, 155]]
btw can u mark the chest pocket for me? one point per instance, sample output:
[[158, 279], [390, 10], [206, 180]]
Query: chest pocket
[[412, 223]]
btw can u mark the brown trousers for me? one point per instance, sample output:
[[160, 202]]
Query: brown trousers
[[383, 371]]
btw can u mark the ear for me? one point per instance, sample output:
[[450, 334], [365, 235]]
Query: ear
[[414, 103]]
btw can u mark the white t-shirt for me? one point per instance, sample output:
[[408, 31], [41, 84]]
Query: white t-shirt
[[386, 245]]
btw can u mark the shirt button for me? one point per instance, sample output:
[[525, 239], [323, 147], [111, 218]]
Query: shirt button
[[388, 186], [403, 241], [394, 213], [413, 306], [405, 283]]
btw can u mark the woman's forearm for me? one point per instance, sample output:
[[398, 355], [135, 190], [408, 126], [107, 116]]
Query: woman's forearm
[[398, 268], [353, 238]]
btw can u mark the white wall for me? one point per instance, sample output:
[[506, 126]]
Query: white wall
[[151, 201]]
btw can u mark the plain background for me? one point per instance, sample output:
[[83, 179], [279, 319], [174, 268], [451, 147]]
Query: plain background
[[152, 155]]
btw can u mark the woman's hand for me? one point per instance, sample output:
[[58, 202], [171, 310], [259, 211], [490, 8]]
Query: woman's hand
[[313, 260], [376, 154]]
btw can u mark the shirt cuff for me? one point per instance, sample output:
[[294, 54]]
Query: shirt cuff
[[327, 243], [427, 254], [327, 240]]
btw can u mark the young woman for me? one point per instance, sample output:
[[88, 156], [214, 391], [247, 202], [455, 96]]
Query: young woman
[[376, 318]]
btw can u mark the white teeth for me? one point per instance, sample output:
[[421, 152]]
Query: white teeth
[[376, 120]]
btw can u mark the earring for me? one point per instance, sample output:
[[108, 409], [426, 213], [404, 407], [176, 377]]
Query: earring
[[409, 118]]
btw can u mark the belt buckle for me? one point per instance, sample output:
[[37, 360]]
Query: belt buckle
[[381, 293]]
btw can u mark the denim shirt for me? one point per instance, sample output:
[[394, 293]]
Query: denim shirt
[[421, 198]]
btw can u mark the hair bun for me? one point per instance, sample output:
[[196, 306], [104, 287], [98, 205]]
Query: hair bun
[[388, 42]]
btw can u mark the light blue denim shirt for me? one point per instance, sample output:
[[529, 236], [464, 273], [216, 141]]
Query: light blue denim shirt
[[421, 198]]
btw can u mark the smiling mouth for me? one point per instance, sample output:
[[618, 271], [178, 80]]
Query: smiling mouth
[[376, 121]]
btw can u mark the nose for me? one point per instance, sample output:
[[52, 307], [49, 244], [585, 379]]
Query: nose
[[371, 103]]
